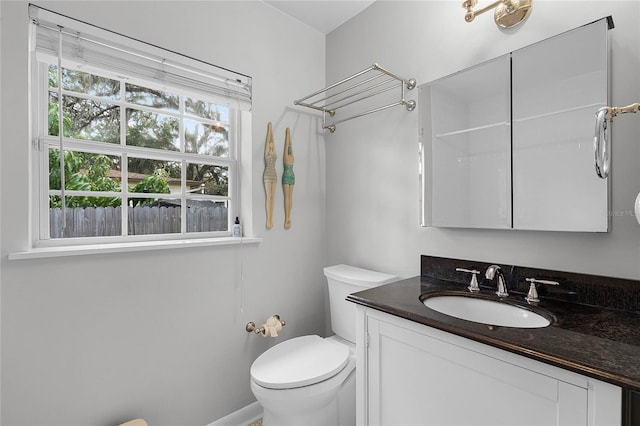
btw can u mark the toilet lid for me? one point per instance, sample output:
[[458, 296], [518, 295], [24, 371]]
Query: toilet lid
[[299, 362]]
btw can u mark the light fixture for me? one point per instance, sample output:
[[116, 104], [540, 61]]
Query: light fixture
[[508, 13], [601, 142]]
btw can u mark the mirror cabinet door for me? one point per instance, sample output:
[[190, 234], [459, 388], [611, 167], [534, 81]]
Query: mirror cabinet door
[[558, 85], [467, 139]]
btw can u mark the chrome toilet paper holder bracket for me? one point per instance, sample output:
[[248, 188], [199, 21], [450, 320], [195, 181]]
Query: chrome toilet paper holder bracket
[[251, 326]]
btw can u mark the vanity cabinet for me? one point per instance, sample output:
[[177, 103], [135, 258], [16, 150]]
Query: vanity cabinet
[[411, 374], [508, 144]]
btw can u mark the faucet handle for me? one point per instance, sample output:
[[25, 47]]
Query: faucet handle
[[473, 286], [532, 296]]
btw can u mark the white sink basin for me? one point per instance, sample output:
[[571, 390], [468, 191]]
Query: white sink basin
[[486, 311]]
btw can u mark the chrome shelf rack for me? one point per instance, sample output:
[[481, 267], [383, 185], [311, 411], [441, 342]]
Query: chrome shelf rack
[[365, 84]]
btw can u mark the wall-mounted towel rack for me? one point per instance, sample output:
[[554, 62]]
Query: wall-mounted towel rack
[[601, 140], [365, 84]]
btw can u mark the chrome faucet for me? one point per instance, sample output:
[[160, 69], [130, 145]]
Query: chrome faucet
[[495, 271]]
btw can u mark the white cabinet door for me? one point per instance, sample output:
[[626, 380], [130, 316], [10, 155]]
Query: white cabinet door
[[418, 380], [558, 85], [411, 374]]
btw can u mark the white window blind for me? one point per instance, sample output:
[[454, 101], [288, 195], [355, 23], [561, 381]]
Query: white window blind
[[88, 47]]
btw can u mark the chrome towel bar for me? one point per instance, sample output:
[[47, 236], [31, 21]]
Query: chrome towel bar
[[366, 84]]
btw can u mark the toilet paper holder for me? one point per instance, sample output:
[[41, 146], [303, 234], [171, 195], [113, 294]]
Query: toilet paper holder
[[251, 326]]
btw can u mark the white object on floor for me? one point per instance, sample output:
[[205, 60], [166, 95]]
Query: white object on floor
[[136, 422]]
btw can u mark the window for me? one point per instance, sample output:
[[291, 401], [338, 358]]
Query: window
[[149, 138]]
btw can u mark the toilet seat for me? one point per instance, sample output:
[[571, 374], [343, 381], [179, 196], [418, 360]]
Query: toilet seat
[[298, 362]]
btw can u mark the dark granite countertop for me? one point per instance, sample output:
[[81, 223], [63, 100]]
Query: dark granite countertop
[[594, 341]]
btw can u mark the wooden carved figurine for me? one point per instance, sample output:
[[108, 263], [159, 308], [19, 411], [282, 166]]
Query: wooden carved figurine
[[270, 176], [288, 179]]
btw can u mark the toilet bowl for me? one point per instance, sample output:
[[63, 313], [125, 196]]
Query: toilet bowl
[[320, 370], [310, 380]]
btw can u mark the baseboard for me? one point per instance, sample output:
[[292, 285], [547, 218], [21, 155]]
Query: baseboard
[[242, 417]]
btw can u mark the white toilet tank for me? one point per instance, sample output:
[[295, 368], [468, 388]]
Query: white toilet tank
[[342, 281]]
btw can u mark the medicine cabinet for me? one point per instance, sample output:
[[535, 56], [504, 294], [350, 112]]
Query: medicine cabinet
[[508, 144]]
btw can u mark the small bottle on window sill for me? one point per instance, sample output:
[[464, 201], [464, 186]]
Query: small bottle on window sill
[[236, 231]]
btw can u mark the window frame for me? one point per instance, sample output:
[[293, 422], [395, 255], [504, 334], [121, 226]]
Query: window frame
[[41, 142]]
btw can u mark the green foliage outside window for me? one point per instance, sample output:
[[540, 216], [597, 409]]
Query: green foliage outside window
[[83, 172], [97, 120]]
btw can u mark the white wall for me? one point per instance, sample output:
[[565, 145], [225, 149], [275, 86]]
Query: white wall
[[372, 181], [100, 339], [103, 338]]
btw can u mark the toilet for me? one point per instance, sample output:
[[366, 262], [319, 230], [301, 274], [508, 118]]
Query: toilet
[[310, 380]]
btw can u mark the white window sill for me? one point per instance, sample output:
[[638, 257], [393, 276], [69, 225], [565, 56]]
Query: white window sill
[[62, 251]]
